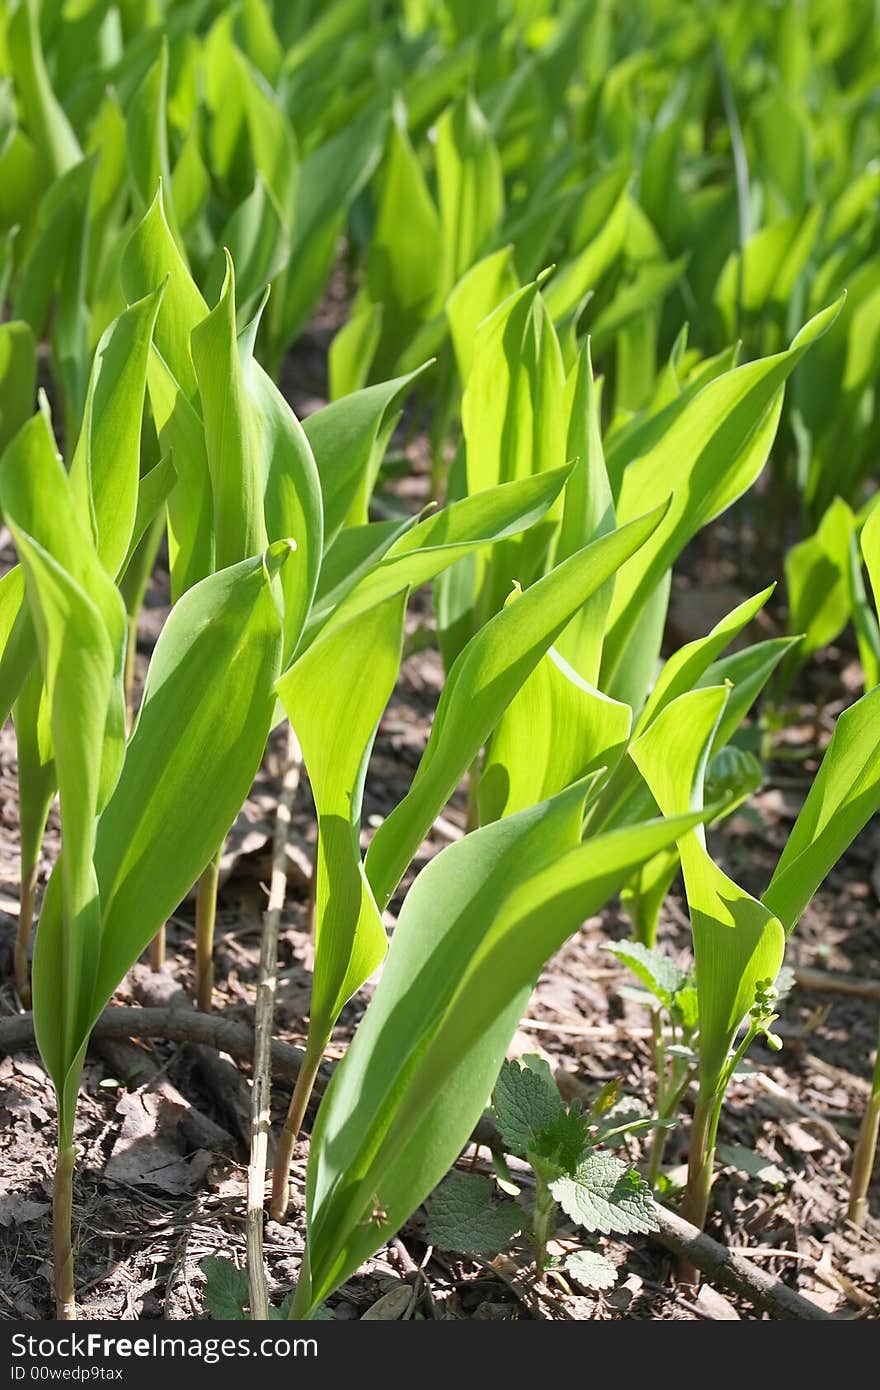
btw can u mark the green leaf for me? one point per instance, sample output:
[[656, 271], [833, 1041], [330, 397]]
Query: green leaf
[[37, 780], [292, 505], [352, 351], [80, 627], [203, 724], [348, 438], [737, 940], [591, 1270], [660, 975], [233, 460], [486, 285], [555, 730], [817, 574], [405, 255], [474, 932], [469, 185], [844, 795], [712, 453], [44, 114], [463, 1217], [330, 179], [482, 682], [526, 1104], [588, 513], [105, 467], [605, 1195], [585, 270], [334, 697], [420, 552], [150, 259], [147, 138], [18, 373], [226, 1289]]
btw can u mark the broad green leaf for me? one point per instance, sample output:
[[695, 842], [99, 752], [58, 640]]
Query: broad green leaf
[[230, 438], [555, 730], [291, 494], [17, 641], [352, 351], [844, 795], [150, 257], [485, 285], [513, 419], [405, 255], [463, 1217], [469, 185], [738, 942], [817, 573], [81, 647], [588, 512], [18, 373], [422, 551], [201, 729], [712, 453], [481, 684], [474, 932], [105, 467], [147, 139], [584, 271], [256, 238], [41, 511], [46, 121], [348, 438], [334, 696], [37, 782], [330, 179]]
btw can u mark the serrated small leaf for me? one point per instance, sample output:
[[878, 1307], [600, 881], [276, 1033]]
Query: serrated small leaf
[[661, 976], [591, 1270], [463, 1217], [226, 1290], [605, 1195], [526, 1104]]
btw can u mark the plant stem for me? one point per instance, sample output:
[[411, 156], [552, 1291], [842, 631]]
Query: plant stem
[[701, 1164], [23, 935], [264, 1013], [62, 1223], [544, 1220], [206, 916], [299, 1101], [157, 950], [865, 1150]]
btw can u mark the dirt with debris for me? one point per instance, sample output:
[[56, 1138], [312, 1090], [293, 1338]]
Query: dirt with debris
[[162, 1127]]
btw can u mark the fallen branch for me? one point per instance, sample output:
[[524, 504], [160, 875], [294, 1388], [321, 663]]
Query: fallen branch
[[174, 1025], [826, 982], [719, 1263]]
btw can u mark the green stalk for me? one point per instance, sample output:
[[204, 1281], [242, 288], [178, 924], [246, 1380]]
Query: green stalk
[[62, 1230], [865, 1150], [25, 927], [544, 1222], [206, 916], [296, 1111], [701, 1155]]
